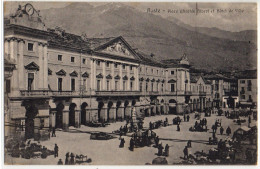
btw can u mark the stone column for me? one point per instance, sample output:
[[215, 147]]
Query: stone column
[[7, 47], [45, 67], [166, 81], [15, 77], [112, 113], [53, 112], [21, 65], [77, 118], [112, 87], [91, 73], [166, 108], [40, 55], [121, 77], [148, 110], [128, 111], [65, 118], [162, 111], [103, 113], [103, 86], [120, 112], [37, 129], [137, 109]]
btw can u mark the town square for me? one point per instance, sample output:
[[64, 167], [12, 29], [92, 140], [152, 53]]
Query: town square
[[90, 83]]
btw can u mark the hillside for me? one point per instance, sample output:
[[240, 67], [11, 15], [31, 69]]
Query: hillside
[[153, 34]]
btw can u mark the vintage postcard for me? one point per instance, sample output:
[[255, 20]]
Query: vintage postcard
[[130, 83]]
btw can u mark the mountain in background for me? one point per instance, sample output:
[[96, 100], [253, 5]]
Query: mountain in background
[[247, 35], [150, 33]]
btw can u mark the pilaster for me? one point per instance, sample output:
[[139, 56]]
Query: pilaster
[[45, 67], [40, 55], [21, 65]]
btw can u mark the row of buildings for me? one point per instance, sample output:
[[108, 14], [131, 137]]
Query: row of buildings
[[57, 79]]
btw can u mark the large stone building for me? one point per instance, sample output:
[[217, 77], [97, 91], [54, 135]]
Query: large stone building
[[63, 80], [247, 88]]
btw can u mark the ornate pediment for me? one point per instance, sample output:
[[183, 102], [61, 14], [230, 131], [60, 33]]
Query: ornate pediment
[[32, 66], [117, 77], [109, 76], [153, 80], [163, 81], [85, 74], [172, 81], [132, 78], [125, 78], [147, 79], [141, 79], [74, 74], [158, 80], [99, 75], [119, 47], [61, 73], [49, 72]]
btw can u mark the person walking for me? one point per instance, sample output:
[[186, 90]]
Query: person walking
[[131, 148], [228, 131], [56, 150], [53, 132], [122, 143], [185, 151], [166, 150], [189, 144], [60, 162], [249, 120], [67, 160], [178, 128], [72, 160], [184, 117], [188, 118], [160, 149], [221, 130]]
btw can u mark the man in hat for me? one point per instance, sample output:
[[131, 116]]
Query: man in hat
[[56, 150]]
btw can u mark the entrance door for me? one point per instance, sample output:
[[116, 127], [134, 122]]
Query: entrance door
[[30, 81], [98, 85]]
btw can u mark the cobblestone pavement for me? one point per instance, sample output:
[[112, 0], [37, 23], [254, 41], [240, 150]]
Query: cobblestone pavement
[[107, 152]]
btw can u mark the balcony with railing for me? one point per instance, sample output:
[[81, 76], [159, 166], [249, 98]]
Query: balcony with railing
[[118, 93], [202, 93], [35, 93], [63, 93]]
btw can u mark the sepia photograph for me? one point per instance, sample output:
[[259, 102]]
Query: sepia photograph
[[129, 83]]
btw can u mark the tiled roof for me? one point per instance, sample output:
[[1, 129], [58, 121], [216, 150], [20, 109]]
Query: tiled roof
[[247, 74]]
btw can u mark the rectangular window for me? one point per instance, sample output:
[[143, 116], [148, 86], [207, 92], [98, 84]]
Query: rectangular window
[[8, 86], [115, 65], [98, 85], [152, 87], [30, 46], [107, 64], [146, 86], [157, 72], [59, 57], [98, 63], [84, 61], [116, 85], [242, 81], [124, 86], [59, 84], [158, 87], [108, 85], [152, 70], [172, 88], [131, 67], [30, 81], [249, 88], [123, 66], [172, 72], [131, 86], [72, 59], [72, 84], [146, 70], [243, 97], [140, 69], [141, 87]]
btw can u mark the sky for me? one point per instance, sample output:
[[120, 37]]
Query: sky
[[233, 16]]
